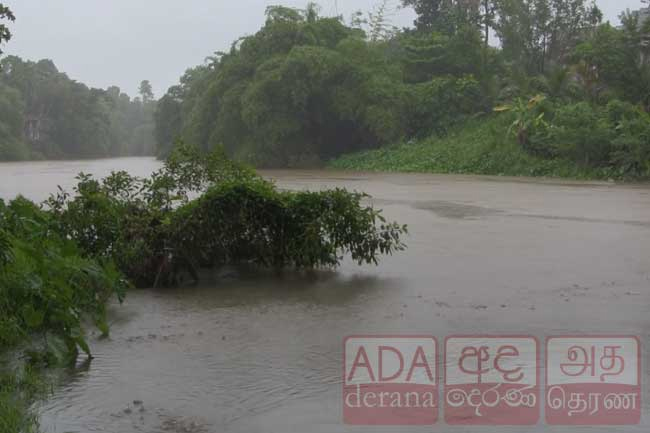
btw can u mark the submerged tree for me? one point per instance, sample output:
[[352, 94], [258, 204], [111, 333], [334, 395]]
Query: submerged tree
[[152, 228]]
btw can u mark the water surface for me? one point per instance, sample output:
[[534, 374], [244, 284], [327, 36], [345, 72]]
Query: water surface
[[254, 352]]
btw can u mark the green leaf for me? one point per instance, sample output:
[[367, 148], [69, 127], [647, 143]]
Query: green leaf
[[81, 342], [32, 317]]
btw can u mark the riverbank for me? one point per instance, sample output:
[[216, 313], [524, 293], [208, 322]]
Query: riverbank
[[60, 263], [481, 147], [489, 255]]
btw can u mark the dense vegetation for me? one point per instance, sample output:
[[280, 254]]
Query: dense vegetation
[[479, 147], [204, 211], [61, 262], [306, 89], [46, 288], [45, 114]]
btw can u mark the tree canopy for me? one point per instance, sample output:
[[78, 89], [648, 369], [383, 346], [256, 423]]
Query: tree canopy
[[45, 114], [6, 15], [307, 88], [302, 89]]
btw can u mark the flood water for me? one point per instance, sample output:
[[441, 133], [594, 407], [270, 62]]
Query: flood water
[[251, 352]]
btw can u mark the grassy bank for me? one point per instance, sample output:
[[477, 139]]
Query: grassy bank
[[481, 146], [17, 389]]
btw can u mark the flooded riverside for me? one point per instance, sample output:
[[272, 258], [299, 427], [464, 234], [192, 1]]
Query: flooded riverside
[[250, 351]]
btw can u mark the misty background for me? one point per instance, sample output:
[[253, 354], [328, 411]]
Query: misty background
[[122, 42]]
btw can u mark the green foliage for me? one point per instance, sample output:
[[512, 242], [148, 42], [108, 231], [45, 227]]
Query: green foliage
[[61, 264], [438, 105], [204, 210], [12, 109], [5, 14], [305, 89], [444, 16], [427, 55], [17, 388], [614, 137], [528, 120], [146, 91], [44, 114], [536, 34], [581, 133], [6, 254], [252, 222], [480, 146], [615, 62], [45, 285]]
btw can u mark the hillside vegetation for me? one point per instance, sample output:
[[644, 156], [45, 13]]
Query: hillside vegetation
[[478, 147], [573, 91]]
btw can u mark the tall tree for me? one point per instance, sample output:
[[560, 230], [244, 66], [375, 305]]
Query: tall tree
[[536, 34], [487, 16], [447, 16], [431, 14], [146, 91], [7, 15]]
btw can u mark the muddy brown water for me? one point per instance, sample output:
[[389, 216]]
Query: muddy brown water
[[254, 352]]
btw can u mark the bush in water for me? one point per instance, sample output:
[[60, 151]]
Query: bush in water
[[205, 210]]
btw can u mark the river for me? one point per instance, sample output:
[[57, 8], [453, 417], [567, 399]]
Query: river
[[251, 352]]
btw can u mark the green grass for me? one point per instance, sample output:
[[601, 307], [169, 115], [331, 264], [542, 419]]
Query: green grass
[[480, 146], [18, 389]]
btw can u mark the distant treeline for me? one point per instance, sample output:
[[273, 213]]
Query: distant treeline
[[307, 88], [46, 115]]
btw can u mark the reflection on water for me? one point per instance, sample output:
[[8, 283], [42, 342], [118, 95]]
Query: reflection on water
[[261, 352]]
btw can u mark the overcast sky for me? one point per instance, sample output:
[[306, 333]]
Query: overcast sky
[[122, 42]]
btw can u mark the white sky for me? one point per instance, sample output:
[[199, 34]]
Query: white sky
[[121, 42]]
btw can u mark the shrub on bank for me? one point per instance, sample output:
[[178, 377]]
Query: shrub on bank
[[614, 138], [579, 141], [47, 289], [481, 146], [46, 286]]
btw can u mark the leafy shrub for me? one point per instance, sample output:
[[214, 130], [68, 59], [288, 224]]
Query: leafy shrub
[[46, 287], [253, 222], [204, 210], [582, 133], [479, 146], [17, 390], [615, 137], [437, 105], [528, 124], [5, 248]]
